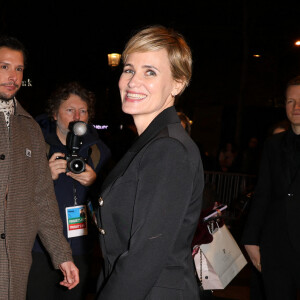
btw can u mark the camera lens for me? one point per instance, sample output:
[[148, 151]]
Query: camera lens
[[76, 165]]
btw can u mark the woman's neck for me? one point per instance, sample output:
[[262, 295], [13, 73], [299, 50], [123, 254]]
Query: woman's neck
[[142, 121]]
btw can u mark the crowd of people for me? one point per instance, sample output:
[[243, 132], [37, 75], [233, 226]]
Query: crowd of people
[[67, 207], [49, 217]]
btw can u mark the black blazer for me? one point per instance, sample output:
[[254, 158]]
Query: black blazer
[[149, 209], [273, 219]]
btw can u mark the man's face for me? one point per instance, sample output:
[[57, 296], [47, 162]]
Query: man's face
[[11, 72], [292, 105]]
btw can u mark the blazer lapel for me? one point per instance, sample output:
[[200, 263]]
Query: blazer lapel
[[117, 171]]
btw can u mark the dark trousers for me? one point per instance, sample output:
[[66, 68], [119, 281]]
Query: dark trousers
[[281, 271], [280, 283], [43, 280], [256, 285]]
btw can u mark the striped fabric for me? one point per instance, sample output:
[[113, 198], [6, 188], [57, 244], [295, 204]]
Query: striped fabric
[[7, 107]]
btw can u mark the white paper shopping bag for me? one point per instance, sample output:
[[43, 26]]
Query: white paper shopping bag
[[221, 260]]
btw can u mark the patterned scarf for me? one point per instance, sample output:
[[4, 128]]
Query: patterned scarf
[[7, 107]]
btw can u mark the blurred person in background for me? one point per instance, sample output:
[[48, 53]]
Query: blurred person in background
[[185, 122], [271, 234], [227, 157], [250, 157]]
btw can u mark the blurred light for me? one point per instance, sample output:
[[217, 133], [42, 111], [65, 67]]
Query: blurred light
[[114, 59], [256, 55], [297, 43], [101, 127]]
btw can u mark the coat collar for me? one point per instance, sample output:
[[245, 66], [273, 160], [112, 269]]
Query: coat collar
[[19, 110], [166, 117]]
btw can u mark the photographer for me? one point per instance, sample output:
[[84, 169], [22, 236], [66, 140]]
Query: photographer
[[68, 104]]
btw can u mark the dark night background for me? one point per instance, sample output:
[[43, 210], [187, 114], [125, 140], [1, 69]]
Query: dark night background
[[232, 94]]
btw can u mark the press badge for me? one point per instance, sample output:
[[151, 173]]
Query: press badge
[[76, 221]]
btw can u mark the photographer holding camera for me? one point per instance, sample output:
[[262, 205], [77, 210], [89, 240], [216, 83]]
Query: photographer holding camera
[[76, 158]]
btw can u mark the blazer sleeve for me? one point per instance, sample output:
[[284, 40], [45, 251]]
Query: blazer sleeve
[[260, 201], [163, 195]]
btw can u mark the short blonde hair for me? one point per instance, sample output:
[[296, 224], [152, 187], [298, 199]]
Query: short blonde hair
[[157, 37]]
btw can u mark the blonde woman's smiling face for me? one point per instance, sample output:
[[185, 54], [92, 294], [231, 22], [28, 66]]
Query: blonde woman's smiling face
[[147, 86]]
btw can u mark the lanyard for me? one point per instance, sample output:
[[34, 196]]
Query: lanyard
[[75, 192]]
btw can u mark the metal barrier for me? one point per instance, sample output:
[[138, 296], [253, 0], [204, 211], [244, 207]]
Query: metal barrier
[[228, 187]]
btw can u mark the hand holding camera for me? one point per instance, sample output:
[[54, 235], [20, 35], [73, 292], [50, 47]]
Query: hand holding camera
[[75, 163], [72, 164], [57, 164], [85, 178]]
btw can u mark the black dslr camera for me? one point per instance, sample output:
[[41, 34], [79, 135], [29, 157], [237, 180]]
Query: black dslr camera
[[75, 163]]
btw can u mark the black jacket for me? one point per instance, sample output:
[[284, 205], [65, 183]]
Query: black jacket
[[274, 211], [149, 209]]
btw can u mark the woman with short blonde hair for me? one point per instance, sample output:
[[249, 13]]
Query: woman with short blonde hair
[[150, 203]]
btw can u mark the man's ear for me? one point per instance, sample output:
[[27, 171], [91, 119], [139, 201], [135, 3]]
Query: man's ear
[[55, 117]]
